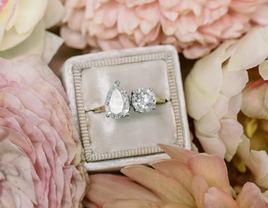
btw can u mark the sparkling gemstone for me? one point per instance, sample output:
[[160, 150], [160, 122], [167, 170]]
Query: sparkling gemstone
[[117, 103], [143, 100]]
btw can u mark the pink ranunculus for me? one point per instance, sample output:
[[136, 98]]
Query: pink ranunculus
[[227, 95], [194, 27], [39, 146], [187, 180]]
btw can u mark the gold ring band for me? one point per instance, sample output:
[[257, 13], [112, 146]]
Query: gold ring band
[[102, 108]]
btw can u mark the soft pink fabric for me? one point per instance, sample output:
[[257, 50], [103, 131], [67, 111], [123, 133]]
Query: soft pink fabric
[[194, 27], [40, 146]]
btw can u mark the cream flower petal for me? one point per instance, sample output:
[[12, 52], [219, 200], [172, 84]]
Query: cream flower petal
[[6, 13], [106, 187], [251, 197], [26, 22], [54, 13], [218, 198], [234, 106], [256, 160], [221, 106], [11, 38], [230, 132], [32, 45], [253, 104], [168, 190], [233, 81], [212, 169], [245, 59], [51, 46], [204, 83], [263, 69]]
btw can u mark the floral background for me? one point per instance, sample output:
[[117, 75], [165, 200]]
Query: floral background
[[223, 51]]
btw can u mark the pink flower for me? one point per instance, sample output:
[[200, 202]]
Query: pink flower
[[194, 27], [186, 180], [227, 109], [39, 146]]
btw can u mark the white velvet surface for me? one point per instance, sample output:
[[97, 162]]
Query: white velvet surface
[[138, 130]]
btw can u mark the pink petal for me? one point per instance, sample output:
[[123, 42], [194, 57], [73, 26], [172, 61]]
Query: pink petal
[[230, 132], [251, 197], [177, 153], [130, 203], [106, 188], [218, 198], [212, 169], [177, 170], [253, 104], [168, 190], [72, 38], [200, 188], [127, 20], [256, 160]]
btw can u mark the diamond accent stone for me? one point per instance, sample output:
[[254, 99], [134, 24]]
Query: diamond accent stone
[[117, 104], [143, 100]]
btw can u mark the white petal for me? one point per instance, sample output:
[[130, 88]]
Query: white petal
[[263, 69], [230, 132], [252, 49], [233, 81], [51, 46], [203, 84], [32, 45], [11, 39], [207, 132], [30, 13], [221, 106], [234, 106], [54, 13]]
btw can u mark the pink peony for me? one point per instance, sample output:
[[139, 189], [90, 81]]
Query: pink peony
[[194, 27], [187, 180], [227, 96], [39, 146]]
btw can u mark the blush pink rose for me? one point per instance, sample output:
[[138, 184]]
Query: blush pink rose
[[39, 147], [194, 27]]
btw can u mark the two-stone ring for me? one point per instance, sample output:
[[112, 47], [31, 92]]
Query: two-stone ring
[[117, 104]]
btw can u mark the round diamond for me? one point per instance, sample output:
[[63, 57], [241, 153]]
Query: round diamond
[[143, 100]]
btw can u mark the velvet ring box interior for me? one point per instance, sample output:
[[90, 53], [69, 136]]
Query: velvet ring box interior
[[110, 144]]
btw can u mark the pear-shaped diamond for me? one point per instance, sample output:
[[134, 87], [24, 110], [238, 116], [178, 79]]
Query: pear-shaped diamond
[[117, 103]]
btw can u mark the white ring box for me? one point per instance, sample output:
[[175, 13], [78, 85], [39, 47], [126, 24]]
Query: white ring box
[[111, 144]]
